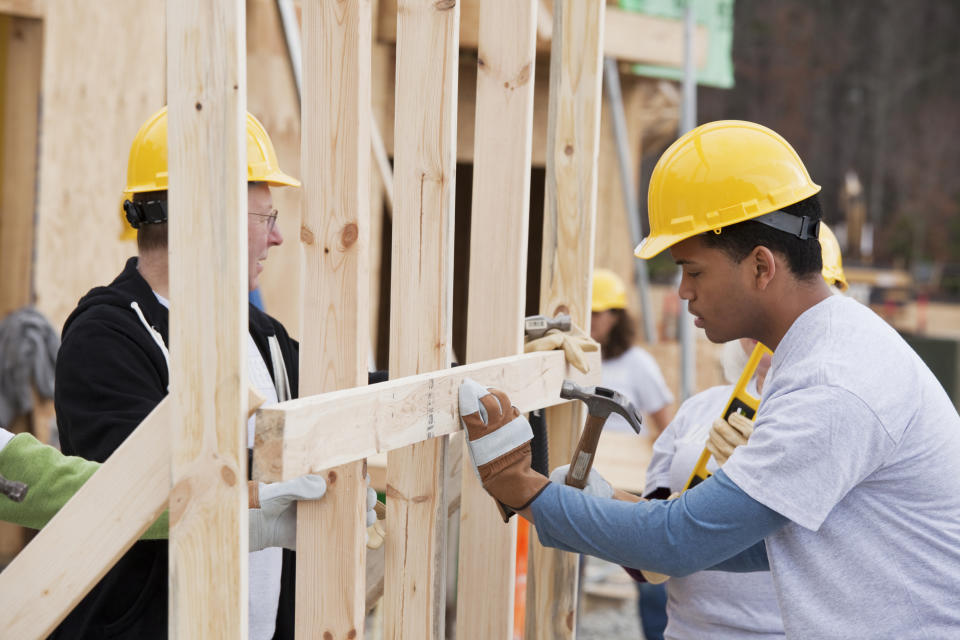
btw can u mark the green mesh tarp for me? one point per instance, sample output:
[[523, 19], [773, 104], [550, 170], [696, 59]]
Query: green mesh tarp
[[716, 16]]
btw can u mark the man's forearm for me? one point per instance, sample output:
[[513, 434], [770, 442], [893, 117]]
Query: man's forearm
[[708, 526], [52, 479]]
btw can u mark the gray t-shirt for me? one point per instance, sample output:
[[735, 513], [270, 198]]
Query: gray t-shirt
[[708, 604], [858, 445]]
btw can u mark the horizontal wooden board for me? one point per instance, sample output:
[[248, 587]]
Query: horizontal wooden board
[[311, 434]]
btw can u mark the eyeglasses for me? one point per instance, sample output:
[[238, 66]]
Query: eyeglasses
[[271, 218]]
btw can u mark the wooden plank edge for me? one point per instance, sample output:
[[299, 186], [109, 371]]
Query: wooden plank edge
[[24, 8], [311, 434], [87, 537]]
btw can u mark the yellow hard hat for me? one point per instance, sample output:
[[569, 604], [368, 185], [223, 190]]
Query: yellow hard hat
[[147, 166], [608, 291], [722, 173], [832, 260]]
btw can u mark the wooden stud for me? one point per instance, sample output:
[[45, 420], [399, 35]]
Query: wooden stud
[[573, 127], [420, 307], [116, 505], [206, 82], [498, 262], [334, 237]]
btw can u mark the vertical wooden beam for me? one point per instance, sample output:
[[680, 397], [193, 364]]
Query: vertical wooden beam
[[334, 237], [495, 308], [206, 83], [22, 56], [573, 131], [421, 301]]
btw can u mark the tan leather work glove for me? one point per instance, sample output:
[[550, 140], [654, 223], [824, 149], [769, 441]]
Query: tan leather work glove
[[574, 343], [498, 439], [727, 435]]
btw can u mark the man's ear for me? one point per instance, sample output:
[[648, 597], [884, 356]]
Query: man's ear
[[764, 266]]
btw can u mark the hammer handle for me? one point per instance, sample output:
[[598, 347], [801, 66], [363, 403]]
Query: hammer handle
[[586, 450]]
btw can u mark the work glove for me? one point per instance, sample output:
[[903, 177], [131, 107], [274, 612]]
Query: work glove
[[574, 343], [273, 514], [727, 435], [596, 484], [498, 439]]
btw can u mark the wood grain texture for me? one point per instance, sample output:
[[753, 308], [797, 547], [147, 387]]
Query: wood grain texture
[[206, 82], [629, 36], [116, 505], [317, 432], [420, 307], [24, 8], [573, 132], [22, 39], [495, 306], [86, 138], [334, 238]]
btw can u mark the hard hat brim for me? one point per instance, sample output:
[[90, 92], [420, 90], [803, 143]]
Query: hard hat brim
[[280, 179], [654, 245]]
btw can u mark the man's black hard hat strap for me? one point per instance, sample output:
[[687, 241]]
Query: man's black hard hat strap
[[801, 226], [141, 213]]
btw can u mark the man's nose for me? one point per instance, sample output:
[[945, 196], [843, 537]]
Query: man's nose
[[275, 238], [685, 291]]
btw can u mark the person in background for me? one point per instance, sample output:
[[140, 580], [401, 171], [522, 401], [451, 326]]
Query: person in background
[[633, 372], [626, 367]]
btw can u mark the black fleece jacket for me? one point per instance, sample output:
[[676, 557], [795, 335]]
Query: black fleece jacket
[[110, 375]]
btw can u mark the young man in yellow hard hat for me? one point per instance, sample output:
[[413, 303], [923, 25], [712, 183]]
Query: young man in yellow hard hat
[[112, 370], [846, 490]]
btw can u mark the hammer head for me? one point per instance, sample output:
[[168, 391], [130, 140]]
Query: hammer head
[[536, 326], [601, 402]]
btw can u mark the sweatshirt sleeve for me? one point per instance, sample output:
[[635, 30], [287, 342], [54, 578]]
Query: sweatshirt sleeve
[[709, 525], [52, 479]]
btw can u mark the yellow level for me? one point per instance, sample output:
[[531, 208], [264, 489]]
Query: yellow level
[[740, 402]]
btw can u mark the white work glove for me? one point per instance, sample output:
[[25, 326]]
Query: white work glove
[[727, 435], [371, 504], [274, 524], [574, 343], [596, 485]]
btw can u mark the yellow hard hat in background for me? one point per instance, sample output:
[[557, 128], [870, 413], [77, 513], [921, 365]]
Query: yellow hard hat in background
[[609, 291], [832, 260], [147, 166], [722, 173]]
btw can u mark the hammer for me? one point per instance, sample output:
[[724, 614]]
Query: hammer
[[536, 326], [600, 403]]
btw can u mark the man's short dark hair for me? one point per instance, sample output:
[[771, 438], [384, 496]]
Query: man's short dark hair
[[151, 236], [803, 256]]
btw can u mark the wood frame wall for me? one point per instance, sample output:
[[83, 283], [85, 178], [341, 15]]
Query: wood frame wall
[[200, 428]]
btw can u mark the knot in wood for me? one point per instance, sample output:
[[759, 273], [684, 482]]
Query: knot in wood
[[445, 5], [349, 235], [306, 235], [331, 477], [229, 475], [568, 150]]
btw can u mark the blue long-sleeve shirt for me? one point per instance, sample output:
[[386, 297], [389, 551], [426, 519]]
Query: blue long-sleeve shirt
[[715, 525]]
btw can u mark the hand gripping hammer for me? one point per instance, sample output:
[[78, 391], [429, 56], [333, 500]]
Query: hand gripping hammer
[[600, 403]]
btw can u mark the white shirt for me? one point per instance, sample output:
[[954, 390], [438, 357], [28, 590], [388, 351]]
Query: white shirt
[[708, 604], [636, 375], [858, 445]]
